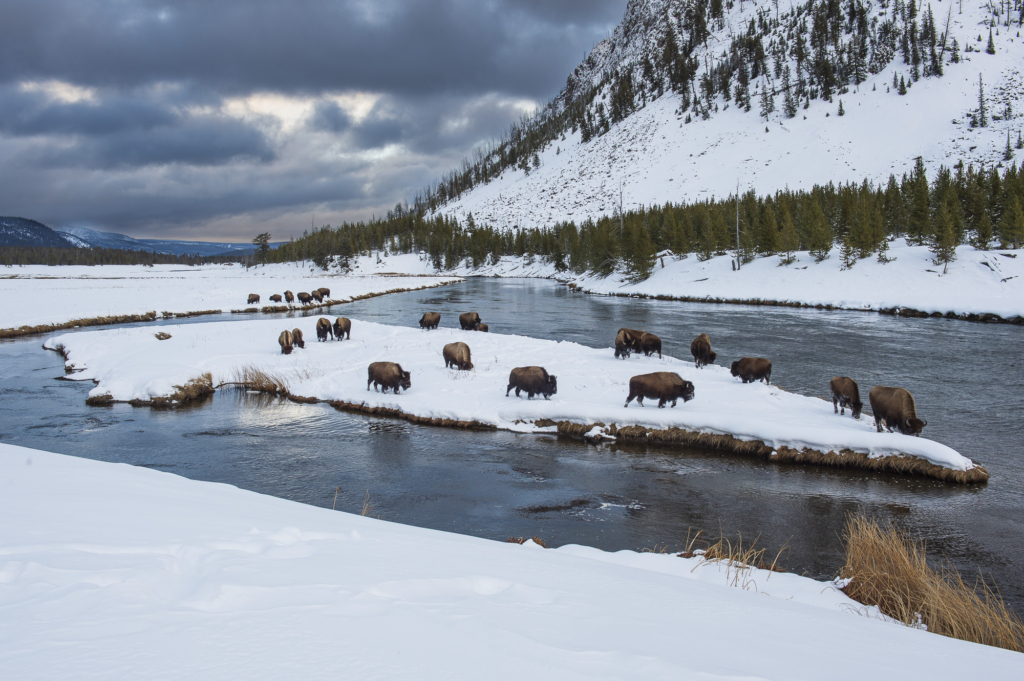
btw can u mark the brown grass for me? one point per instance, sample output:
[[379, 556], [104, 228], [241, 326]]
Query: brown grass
[[195, 390], [161, 335], [890, 570], [252, 377], [523, 540], [74, 323]]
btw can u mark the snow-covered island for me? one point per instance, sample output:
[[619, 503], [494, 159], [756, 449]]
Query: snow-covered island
[[133, 365], [114, 571]]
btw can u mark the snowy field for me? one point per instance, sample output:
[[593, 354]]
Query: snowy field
[[117, 572], [36, 294], [131, 364]]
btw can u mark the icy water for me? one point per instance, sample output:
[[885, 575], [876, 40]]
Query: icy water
[[966, 379]]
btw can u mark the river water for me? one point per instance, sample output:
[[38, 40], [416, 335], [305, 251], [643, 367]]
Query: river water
[[965, 377]]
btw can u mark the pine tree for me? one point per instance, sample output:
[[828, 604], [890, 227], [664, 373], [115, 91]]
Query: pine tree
[[883, 252], [982, 109], [847, 253], [819, 234], [789, 101], [920, 218], [789, 242], [841, 111], [1011, 228], [767, 238], [637, 250], [903, 86], [706, 245], [1008, 152], [983, 233], [767, 101], [943, 242], [991, 49], [1020, 140]]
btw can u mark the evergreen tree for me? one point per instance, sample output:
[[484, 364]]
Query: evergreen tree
[[637, 250], [767, 101], [841, 111], [883, 252], [982, 109], [1020, 140], [706, 245], [991, 49], [1008, 152], [768, 232], [920, 217], [903, 86], [943, 242], [819, 234], [847, 253], [790, 100], [262, 244], [1011, 228], [789, 242], [983, 233]]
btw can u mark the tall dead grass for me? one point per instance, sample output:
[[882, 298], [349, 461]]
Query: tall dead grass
[[890, 570], [252, 377]]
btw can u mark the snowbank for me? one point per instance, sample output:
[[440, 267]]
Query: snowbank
[[113, 571], [978, 282], [35, 295], [131, 364]]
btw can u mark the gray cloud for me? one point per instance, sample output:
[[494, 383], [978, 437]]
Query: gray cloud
[[153, 146]]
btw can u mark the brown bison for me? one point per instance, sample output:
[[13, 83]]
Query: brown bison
[[532, 380], [751, 369], [483, 327], [285, 341], [342, 327], [276, 298], [325, 292], [304, 298], [845, 393], [254, 298], [457, 355], [297, 338], [701, 350], [323, 329], [661, 385], [627, 341], [317, 296], [469, 321], [388, 375], [430, 320], [896, 407], [289, 297], [650, 344]]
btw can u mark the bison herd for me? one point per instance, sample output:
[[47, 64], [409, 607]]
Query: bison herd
[[305, 298]]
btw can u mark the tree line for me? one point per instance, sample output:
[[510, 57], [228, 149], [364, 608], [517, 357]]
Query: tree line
[[956, 205], [21, 255]]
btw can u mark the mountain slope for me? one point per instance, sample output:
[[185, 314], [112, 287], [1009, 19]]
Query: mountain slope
[[659, 111], [97, 239], [25, 233]]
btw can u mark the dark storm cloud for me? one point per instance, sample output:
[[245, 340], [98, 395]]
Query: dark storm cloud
[[152, 143]]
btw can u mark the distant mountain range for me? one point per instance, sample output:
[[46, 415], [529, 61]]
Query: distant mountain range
[[23, 232]]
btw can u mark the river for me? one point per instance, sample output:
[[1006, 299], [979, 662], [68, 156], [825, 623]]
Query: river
[[965, 377]]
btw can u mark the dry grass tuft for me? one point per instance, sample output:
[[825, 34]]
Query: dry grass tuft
[[523, 540], [252, 377], [367, 506], [890, 570], [194, 390], [160, 335]]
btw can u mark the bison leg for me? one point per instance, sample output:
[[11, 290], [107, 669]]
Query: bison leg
[[510, 386], [640, 400], [517, 391], [630, 399], [661, 403], [878, 423], [547, 396], [368, 382], [529, 395]]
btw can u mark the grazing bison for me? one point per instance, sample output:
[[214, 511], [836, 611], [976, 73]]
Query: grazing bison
[[317, 296], [469, 321], [254, 298], [845, 393], [430, 320], [751, 369], [342, 327], [483, 327], [325, 292], [626, 342], [701, 350], [650, 344], [532, 380], [323, 329], [304, 298], [661, 385], [285, 341], [297, 338], [457, 355], [276, 298], [289, 297], [388, 375], [896, 407]]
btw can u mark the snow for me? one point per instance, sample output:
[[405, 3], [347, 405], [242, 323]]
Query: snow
[[114, 571], [38, 294], [592, 383], [654, 157]]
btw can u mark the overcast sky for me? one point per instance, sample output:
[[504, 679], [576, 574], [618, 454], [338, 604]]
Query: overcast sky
[[217, 119]]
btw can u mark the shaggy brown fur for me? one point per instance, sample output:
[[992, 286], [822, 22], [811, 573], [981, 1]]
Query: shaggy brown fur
[[323, 329], [276, 298], [483, 327], [342, 328], [289, 297], [895, 406], [285, 341], [532, 380], [650, 344], [701, 350], [304, 298], [845, 393], [469, 321], [253, 298], [388, 375], [325, 292], [661, 385], [430, 320], [751, 369], [457, 355], [297, 338], [627, 341], [317, 296]]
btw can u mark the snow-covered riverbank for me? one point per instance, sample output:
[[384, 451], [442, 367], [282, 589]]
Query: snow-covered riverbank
[[36, 295], [114, 571], [131, 364]]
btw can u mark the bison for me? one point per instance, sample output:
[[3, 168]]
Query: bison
[[845, 393], [751, 369], [285, 341], [701, 350], [896, 407], [469, 321], [297, 338], [430, 320], [457, 355], [649, 344], [254, 298], [317, 296], [323, 329], [289, 297], [532, 380], [483, 327], [388, 375], [304, 298], [276, 298], [626, 342], [342, 327], [325, 292], [661, 385]]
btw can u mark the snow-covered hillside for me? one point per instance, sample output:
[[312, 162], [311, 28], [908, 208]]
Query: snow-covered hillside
[[654, 155]]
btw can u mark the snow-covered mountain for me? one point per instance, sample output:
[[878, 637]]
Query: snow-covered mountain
[[688, 98], [91, 238], [26, 233]]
